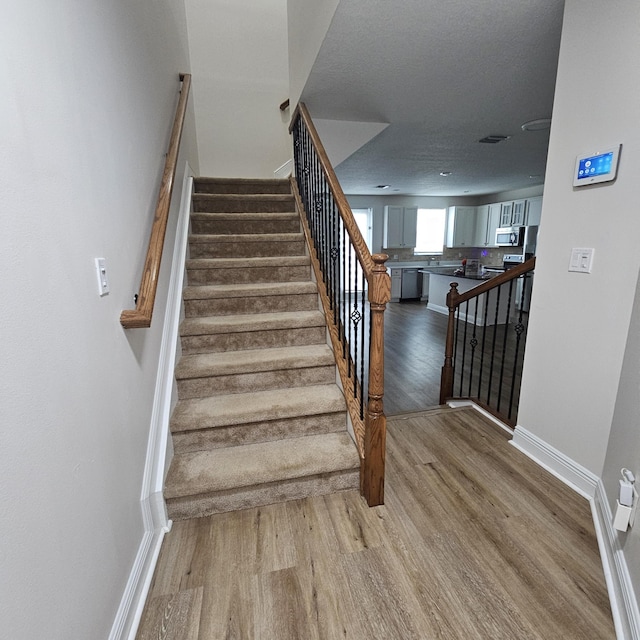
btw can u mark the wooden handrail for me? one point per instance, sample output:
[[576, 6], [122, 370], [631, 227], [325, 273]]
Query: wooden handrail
[[284, 105], [364, 256], [140, 317], [371, 431], [492, 283]]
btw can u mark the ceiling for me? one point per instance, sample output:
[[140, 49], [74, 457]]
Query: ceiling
[[443, 75]]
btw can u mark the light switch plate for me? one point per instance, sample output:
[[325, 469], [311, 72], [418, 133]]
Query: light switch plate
[[103, 280], [581, 260]]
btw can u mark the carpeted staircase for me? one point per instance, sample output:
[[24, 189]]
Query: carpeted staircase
[[259, 418]]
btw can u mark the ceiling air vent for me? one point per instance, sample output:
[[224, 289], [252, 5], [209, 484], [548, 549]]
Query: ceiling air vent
[[493, 139]]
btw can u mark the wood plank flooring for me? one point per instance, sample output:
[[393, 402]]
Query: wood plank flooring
[[475, 541], [414, 340]]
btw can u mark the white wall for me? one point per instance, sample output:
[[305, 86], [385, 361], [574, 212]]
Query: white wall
[[89, 93], [624, 442], [308, 22], [240, 72], [579, 322]]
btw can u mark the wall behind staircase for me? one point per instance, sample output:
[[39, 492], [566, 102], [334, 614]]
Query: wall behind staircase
[[89, 92], [240, 64]]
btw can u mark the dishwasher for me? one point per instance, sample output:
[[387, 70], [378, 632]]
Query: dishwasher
[[411, 284]]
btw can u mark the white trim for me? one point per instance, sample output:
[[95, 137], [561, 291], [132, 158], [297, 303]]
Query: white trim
[[285, 170], [557, 463], [154, 514], [624, 604], [470, 403]]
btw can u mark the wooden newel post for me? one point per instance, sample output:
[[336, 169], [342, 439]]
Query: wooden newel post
[[375, 436], [446, 377]]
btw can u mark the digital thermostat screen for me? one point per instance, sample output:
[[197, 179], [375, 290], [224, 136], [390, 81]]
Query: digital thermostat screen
[[595, 165], [600, 166]]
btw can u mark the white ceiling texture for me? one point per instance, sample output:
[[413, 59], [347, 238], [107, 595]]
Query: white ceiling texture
[[443, 75]]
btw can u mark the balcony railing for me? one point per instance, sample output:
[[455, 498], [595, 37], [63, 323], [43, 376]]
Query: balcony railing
[[486, 337]]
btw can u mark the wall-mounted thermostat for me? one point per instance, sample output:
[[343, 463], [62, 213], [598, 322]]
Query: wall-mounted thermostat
[[599, 166]]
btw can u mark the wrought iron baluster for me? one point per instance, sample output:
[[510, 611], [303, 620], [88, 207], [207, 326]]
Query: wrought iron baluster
[[363, 386], [473, 343], [504, 345], [464, 345], [493, 343]]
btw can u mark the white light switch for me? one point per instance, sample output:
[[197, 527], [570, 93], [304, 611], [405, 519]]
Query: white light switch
[[581, 260], [103, 280]]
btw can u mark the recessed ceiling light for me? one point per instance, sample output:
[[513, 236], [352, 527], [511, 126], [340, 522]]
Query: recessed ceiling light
[[493, 139], [383, 186], [445, 173], [537, 125], [534, 176]]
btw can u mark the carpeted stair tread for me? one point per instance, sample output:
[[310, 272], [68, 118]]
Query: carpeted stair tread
[[242, 203], [226, 410], [199, 238], [258, 289], [245, 263], [245, 216], [203, 472], [253, 361], [242, 185], [251, 322]]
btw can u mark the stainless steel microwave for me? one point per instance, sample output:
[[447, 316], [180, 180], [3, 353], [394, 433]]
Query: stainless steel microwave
[[510, 236]]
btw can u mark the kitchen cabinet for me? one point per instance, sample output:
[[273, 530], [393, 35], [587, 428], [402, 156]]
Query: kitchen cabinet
[[512, 214], [487, 221], [396, 284], [505, 214], [400, 226], [534, 210], [461, 227], [518, 212]]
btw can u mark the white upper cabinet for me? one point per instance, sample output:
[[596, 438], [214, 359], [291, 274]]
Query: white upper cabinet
[[400, 226], [517, 213], [461, 227], [487, 221], [506, 209], [512, 214]]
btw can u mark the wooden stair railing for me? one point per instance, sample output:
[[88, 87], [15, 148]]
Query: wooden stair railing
[[345, 270], [140, 317], [487, 332]]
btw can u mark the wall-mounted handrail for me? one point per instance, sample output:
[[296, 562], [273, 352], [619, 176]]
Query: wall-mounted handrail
[[140, 317], [488, 341], [346, 272]]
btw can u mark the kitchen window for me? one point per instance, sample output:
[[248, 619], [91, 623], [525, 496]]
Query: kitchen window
[[430, 229]]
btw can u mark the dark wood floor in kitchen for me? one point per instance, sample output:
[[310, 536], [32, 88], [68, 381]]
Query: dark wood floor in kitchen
[[414, 353], [474, 541]]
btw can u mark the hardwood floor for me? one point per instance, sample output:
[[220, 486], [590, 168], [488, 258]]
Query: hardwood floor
[[414, 340], [475, 541]]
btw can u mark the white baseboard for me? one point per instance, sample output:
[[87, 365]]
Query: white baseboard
[[135, 594], [554, 461], [285, 170], [624, 605], [154, 514]]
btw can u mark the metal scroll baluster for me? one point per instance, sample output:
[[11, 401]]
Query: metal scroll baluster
[[355, 319], [363, 386], [504, 346], [464, 345], [473, 343]]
